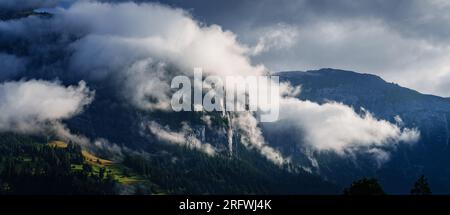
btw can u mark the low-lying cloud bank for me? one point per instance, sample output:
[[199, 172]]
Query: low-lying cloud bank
[[183, 137], [28, 106], [38, 107], [338, 128]]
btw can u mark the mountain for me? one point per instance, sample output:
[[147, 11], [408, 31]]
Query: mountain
[[145, 163], [430, 114]]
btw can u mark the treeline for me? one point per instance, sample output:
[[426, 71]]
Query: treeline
[[370, 186], [28, 167], [186, 171]]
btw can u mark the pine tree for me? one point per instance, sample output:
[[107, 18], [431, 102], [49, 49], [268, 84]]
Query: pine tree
[[365, 186], [421, 187]]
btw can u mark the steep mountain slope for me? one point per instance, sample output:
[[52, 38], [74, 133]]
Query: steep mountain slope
[[430, 114], [112, 128], [178, 169]]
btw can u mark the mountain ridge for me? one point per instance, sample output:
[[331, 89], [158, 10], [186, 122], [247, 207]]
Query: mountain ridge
[[328, 71]]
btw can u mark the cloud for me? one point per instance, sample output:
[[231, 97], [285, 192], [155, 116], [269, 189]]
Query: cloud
[[280, 36], [99, 146], [160, 43], [338, 128], [62, 132], [27, 106], [251, 137], [184, 137]]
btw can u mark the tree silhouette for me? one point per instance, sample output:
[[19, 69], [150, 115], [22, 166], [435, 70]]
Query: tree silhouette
[[421, 187], [364, 186], [101, 172]]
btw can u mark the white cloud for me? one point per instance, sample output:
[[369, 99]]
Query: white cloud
[[158, 35], [280, 36], [27, 106], [62, 132], [100, 145], [184, 137], [251, 137], [338, 128]]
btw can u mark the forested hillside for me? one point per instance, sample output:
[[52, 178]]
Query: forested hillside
[[28, 165]]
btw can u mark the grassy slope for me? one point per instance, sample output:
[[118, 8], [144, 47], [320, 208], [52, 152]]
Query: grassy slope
[[121, 173]]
